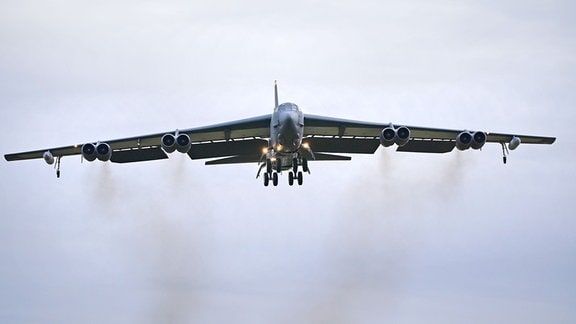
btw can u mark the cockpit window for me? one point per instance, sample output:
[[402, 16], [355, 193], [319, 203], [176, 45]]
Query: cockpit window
[[288, 106]]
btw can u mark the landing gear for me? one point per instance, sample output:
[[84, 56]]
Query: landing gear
[[295, 176], [58, 166], [275, 179], [505, 153], [274, 167], [268, 166], [270, 177]]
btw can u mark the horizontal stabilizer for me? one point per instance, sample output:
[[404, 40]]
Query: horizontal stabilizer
[[138, 155], [427, 146]]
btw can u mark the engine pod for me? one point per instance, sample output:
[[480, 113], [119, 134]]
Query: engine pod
[[387, 136], [89, 152], [183, 143], [402, 136], [103, 152], [168, 143], [463, 141], [478, 140]]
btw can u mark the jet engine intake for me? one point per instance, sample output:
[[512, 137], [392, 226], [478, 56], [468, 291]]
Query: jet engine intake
[[463, 140], [478, 140], [169, 143], [100, 151], [402, 136], [387, 136], [183, 143], [172, 142], [474, 140], [103, 152], [390, 136], [89, 152]]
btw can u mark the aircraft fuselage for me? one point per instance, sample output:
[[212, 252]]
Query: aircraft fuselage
[[286, 129]]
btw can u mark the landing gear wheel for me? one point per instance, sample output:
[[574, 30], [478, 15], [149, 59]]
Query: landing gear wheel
[[266, 179], [275, 179], [305, 165], [300, 178], [295, 165], [291, 178]]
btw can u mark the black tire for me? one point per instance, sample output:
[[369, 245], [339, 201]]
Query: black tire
[[266, 179], [291, 178], [300, 179], [275, 179]]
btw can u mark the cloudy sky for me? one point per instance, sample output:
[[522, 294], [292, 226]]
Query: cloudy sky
[[392, 237]]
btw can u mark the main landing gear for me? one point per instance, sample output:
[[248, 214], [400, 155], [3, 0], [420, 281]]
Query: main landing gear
[[272, 171], [295, 176], [271, 177]]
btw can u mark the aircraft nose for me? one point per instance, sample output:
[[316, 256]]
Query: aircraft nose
[[288, 118], [289, 137]]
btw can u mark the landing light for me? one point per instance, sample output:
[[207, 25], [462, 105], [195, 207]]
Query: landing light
[[279, 147], [306, 145], [264, 150]]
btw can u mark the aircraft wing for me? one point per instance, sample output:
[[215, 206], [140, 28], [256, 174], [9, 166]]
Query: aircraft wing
[[332, 135], [241, 137]]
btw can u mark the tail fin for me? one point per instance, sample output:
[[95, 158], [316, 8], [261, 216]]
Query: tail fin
[[276, 94]]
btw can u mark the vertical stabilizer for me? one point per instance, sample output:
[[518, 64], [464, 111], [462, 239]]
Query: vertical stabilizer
[[275, 94]]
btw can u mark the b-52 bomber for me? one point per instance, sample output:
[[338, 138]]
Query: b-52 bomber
[[285, 140]]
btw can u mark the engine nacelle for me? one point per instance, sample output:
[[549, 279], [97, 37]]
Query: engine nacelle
[[463, 140], [387, 136], [399, 136], [478, 140], [89, 152], [402, 136], [48, 157], [514, 143], [168, 142], [100, 151], [103, 152], [183, 143], [173, 142]]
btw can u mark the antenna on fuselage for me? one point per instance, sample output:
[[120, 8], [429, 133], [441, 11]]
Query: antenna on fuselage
[[276, 94]]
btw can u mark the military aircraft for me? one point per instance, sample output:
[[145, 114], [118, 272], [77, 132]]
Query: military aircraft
[[282, 141]]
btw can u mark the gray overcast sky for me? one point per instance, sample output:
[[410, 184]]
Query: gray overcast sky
[[392, 237]]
